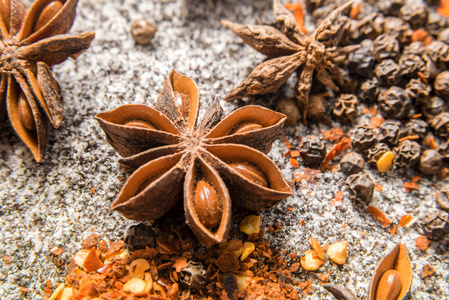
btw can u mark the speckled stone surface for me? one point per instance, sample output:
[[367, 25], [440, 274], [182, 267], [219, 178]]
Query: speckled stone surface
[[67, 196]]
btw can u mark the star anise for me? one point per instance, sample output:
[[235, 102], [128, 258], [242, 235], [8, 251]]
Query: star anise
[[32, 42], [290, 50], [169, 155]]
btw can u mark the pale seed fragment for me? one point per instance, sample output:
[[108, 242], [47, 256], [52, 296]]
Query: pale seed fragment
[[248, 248], [138, 267], [88, 260], [311, 261], [242, 282], [385, 162], [148, 282], [250, 224], [66, 294], [55, 295], [134, 285], [338, 252]]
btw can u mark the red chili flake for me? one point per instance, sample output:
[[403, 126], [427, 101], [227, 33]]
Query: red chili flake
[[416, 178], [410, 137], [287, 143], [121, 179], [287, 153], [427, 270], [394, 229], [297, 177], [343, 226], [93, 190], [406, 220], [180, 264], [431, 143], [411, 186], [422, 36], [333, 135], [370, 110], [291, 209], [7, 259], [56, 251], [294, 267], [48, 283], [363, 233], [324, 278], [422, 77], [24, 290], [298, 13], [416, 116], [444, 173], [355, 10], [378, 187], [443, 9], [337, 200], [422, 243], [335, 151], [294, 162], [378, 215], [294, 153], [302, 222], [376, 122]]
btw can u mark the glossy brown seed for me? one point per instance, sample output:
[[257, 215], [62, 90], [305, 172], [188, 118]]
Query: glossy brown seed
[[246, 127], [26, 114], [49, 11], [250, 172], [352, 163], [288, 107], [140, 124], [389, 286], [436, 225], [143, 31], [430, 162], [207, 204]]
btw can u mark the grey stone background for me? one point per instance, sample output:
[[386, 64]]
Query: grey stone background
[[51, 204]]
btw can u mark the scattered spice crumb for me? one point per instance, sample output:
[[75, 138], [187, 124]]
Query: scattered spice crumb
[[422, 243], [427, 270], [378, 215]]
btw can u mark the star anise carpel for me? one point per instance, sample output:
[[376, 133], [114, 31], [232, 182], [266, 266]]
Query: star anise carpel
[[32, 42], [207, 164], [290, 50]]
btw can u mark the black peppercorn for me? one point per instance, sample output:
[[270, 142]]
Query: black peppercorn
[[140, 236], [361, 187], [415, 14], [410, 64], [288, 107], [312, 150], [385, 46], [435, 23], [416, 127], [433, 107], [374, 153], [361, 62], [398, 28], [389, 132], [443, 36], [370, 26], [436, 225], [430, 162], [440, 124], [443, 199], [388, 72], [390, 7], [443, 149], [418, 91], [352, 163], [413, 48], [363, 137], [317, 108], [193, 276], [441, 85], [369, 90], [438, 53], [346, 108], [394, 103], [407, 154]]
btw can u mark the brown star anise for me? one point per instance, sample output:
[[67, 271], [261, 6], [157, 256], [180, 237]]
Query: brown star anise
[[292, 50], [169, 155], [32, 42]]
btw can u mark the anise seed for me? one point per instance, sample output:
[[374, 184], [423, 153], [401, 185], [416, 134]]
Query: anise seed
[[246, 127], [147, 183], [140, 124], [207, 204], [250, 172], [49, 11], [26, 114], [389, 286]]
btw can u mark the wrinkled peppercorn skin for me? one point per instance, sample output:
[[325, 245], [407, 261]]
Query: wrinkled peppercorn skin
[[361, 187], [436, 225], [312, 150]]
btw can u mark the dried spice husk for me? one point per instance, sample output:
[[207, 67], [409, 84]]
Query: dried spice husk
[[340, 293], [169, 155], [397, 260], [290, 49], [32, 42]]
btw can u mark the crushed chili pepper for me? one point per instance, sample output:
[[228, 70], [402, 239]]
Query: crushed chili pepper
[[378, 215], [287, 143], [335, 151], [409, 137], [406, 220], [411, 186], [355, 10], [294, 162], [443, 9], [376, 122], [422, 243], [393, 229], [333, 135], [298, 13], [430, 141], [337, 200], [427, 270]]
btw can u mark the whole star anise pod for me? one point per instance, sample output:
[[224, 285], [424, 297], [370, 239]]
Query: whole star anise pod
[[32, 42], [291, 50], [170, 155]]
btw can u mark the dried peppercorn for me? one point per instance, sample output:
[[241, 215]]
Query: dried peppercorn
[[433, 107], [193, 276], [415, 127], [435, 22], [312, 150], [385, 46], [443, 199], [443, 36], [441, 85], [140, 236], [389, 132], [390, 7], [436, 225], [413, 48], [288, 107], [316, 108], [143, 31], [346, 108], [432, 2], [411, 64], [369, 27], [363, 137], [394, 103], [361, 62], [430, 162], [369, 90], [374, 153], [352, 163], [438, 53], [440, 124], [443, 149], [415, 14], [399, 28], [406, 154], [361, 187], [418, 91], [388, 72]]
